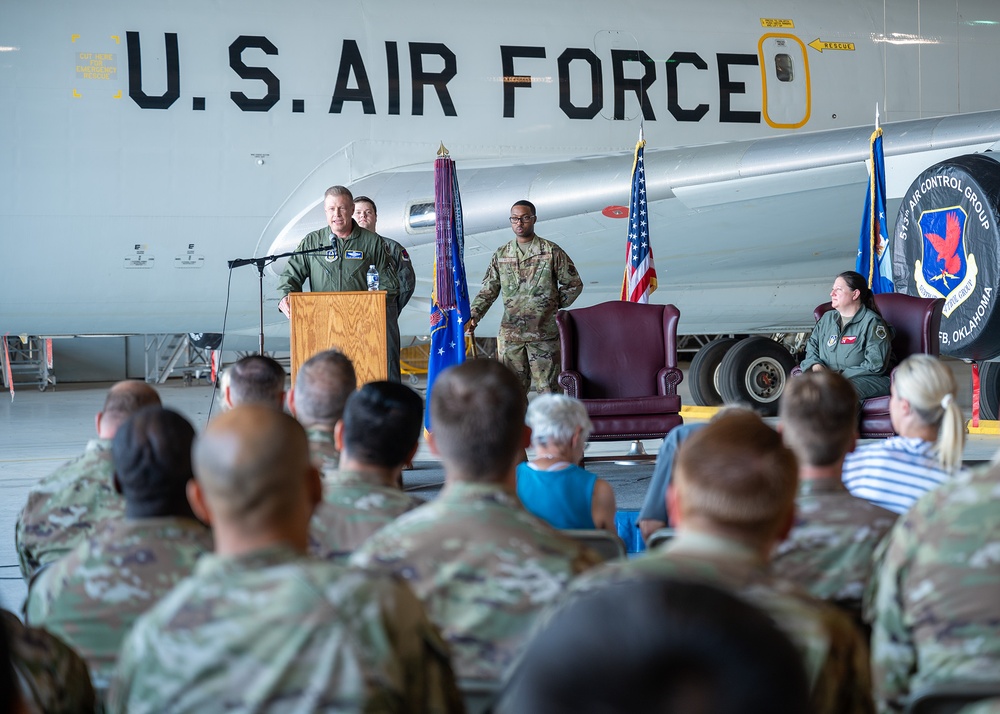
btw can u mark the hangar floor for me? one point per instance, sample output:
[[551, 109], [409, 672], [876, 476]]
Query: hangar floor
[[41, 430]]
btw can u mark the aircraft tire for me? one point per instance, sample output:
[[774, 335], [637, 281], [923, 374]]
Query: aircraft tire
[[755, 372], [989, 390], [704, 372], [206, 340]]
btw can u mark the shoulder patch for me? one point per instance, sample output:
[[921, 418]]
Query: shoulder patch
[[405, 256], [880, 332]]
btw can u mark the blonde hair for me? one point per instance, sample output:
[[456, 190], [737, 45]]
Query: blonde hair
[[929, 386]]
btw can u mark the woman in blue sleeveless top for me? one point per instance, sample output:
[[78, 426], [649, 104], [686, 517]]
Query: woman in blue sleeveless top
[[552, 486]]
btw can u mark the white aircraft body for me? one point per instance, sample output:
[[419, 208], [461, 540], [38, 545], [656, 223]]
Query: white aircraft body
[[145, 145]]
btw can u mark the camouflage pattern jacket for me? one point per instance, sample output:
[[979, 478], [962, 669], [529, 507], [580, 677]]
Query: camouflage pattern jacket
[[829, 550], [534, 285], [835, 655], [53, 678], [935, 604], [484, 568], [323, 450], [275, 631], [91, 597], [351, 511], [65, 507]]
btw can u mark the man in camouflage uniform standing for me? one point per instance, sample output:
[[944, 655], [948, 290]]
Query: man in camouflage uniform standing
[[91, 597], [536, 279], [731, 500], [343, 266], [65, 507], [260, 625], [935, 602], [377, 437], [322, 386], [481, 563], [829, 549], [366, 216]]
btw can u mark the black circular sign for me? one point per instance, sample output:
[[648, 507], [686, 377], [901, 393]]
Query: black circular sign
[[947, 244]]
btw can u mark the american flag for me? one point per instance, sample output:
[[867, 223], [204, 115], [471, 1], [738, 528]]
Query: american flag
[[640, 275]]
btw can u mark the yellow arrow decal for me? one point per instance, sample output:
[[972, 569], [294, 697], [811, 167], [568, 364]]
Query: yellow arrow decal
[[117, 39], [74, 38], [821, 45], [118, 94], [77, 94]]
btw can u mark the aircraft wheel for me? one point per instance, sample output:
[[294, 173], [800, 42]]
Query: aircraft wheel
[[206, 340], [989, 390], [703, 374], [755, 371]]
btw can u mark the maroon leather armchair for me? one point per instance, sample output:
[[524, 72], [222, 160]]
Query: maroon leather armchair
[[916, 322], [620, 359]]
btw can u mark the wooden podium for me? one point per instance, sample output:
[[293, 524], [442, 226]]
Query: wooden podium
[[352, 322]]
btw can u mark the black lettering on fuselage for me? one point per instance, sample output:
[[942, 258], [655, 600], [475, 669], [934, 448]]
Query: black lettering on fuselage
[[510, 80], [673, 103], [392, 62], [727, 88], [350, 61], [135, 91], [596, 84], [419, 78], [640, 86], [273, 93]]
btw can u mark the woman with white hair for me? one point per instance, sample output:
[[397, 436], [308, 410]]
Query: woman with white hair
[[923, 407], [552, 486]]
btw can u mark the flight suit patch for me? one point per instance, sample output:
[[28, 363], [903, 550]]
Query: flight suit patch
[[354, 255], [849, 340], [331, 255], [832, 341], [880, 332]]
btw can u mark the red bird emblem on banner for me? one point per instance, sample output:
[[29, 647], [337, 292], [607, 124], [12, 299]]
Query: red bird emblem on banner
[[947, 248]]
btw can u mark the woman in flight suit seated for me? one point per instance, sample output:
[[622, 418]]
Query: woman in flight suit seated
[[852, 338]]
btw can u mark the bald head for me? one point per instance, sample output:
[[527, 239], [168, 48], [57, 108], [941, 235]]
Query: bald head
[[123, 400], [251, 464]]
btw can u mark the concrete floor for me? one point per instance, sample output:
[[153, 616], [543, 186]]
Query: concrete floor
[[39, 431]]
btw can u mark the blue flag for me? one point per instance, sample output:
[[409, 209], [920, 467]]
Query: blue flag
[[450, 298], [874, 259]]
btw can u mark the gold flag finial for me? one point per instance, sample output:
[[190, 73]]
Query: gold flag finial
[[442, 151]]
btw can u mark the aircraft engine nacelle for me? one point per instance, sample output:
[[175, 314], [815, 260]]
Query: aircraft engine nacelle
[[947, 244]]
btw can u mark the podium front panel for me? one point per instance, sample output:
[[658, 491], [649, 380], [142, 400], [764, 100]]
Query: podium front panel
[[352, 322]]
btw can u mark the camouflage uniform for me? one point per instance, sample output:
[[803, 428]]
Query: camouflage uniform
[[275, 631], [484, 568], [323, 449], [344, 267], [91, 597], [829, 551], [407, 284], [935, 603], [535, 285], [835, 655], [65, 507], [352, 509], [53, 677]]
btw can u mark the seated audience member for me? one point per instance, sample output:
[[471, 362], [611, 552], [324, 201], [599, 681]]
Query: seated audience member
[[552, 485], [924, 411], [653, 515], [260, 625], [322, 386], [731, 501], [377, 436], [49, 677], [934, 602], [685, 647], [91, 597], [829, 549], [483, 566], [255, 379], [64, 508], [852, 339]]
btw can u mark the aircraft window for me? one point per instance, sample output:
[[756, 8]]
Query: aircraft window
[[783, 67], [421, 217]]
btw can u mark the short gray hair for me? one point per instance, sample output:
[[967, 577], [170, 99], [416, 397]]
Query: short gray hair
[[554, 418]]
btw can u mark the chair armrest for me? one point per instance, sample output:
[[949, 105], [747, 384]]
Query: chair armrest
[[572, 383], [667, 379]]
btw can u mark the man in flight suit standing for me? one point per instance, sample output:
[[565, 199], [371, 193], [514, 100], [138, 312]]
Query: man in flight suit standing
[[344, 265], [537, 278]]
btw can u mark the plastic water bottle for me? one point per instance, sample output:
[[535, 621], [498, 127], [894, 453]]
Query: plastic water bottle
[[372, 278]]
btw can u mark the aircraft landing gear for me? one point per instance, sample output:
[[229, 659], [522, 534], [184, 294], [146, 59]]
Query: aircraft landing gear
[[755, 371], [703, 374]]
